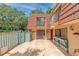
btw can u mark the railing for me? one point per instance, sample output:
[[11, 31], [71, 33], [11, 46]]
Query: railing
[[61, 43], [9, 40]]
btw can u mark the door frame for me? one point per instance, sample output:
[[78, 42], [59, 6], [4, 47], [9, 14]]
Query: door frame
[[37, 34], [51, 34]]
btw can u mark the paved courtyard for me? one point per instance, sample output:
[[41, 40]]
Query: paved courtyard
[[35, 48]]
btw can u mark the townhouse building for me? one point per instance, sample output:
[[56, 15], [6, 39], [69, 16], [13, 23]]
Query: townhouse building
[[65, 26], [39, 25]]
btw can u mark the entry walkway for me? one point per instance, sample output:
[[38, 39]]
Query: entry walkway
[[35, 48]]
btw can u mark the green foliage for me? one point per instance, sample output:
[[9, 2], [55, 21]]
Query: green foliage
[[37, 11], [49, 10], [11, 19]]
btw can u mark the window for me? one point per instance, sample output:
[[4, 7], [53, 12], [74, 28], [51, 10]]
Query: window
[[40, 21], [62, 33], [55, 17], [58, 32]]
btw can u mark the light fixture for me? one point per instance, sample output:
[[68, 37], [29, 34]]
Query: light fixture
[[71, 28]]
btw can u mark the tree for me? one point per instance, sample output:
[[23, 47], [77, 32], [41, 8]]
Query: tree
[[37, 11], [49, 10], [11, 19]]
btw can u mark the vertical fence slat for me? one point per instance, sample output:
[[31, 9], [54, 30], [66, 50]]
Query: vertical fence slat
[[0, 40], [10, 39]]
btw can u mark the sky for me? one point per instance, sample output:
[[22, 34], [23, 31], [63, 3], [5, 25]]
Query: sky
[[28, 7]]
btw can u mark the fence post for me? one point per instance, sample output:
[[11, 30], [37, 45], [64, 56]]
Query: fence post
[[24, 35], [0, 42], [18, 37]]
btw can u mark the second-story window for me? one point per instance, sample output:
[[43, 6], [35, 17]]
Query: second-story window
[[55, 17], [40, 21]]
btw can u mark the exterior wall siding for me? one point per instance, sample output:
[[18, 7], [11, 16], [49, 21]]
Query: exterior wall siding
[[69, 13], [69, 17]]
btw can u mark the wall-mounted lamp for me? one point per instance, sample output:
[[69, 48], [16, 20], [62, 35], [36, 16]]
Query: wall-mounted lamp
[[71, 28]]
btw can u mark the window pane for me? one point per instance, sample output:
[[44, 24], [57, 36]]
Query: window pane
[[40, 21]]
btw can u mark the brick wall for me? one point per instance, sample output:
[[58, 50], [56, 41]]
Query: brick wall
[[33, 18]]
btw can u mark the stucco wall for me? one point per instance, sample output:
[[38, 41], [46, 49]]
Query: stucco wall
[[73, 39]]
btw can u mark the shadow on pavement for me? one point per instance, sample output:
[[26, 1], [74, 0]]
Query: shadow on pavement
[[29, 52]]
